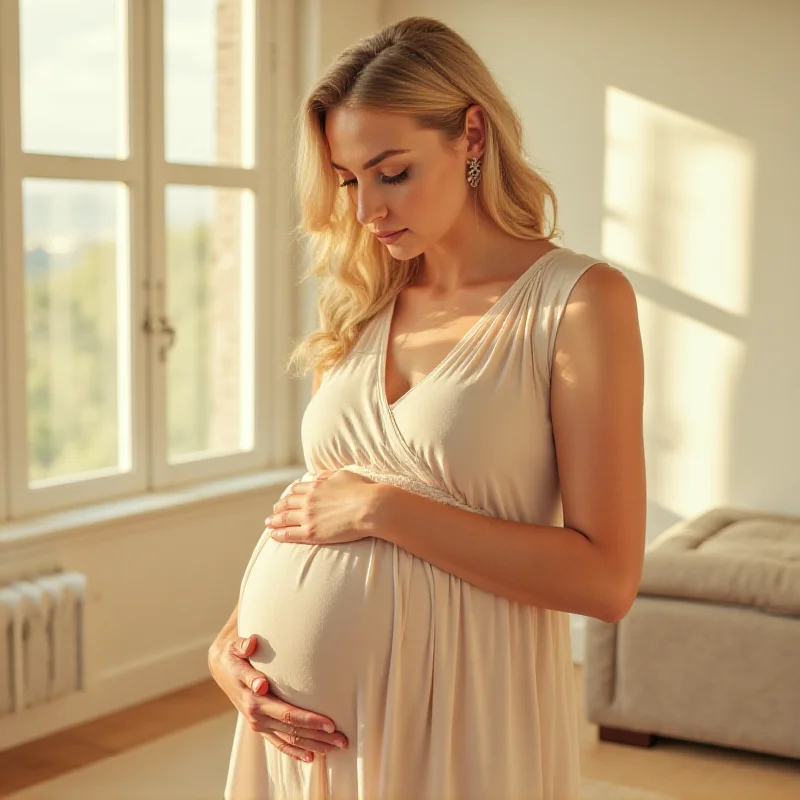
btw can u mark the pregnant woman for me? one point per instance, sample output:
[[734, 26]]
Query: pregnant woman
[[474, 457]]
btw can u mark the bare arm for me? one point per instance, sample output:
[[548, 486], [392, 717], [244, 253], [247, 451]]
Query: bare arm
[[592, 565]]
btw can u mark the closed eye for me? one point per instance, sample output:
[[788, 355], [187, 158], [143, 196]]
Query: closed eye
[[390, 179], [399, 178]]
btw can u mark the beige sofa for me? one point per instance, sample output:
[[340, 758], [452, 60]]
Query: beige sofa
[[710, 650]]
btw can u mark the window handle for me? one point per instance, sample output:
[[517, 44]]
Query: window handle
[[166, 330]]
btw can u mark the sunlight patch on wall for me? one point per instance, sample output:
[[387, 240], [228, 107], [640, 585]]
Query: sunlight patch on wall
[[678, 197], [691, 374]]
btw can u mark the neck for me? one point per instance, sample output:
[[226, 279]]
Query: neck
[[475, 251]]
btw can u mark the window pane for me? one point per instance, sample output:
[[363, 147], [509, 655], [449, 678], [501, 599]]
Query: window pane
[[73, 75], [76, 273], [209, 72], [210, 305]]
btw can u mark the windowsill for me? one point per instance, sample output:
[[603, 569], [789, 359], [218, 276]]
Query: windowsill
[[48, 527]]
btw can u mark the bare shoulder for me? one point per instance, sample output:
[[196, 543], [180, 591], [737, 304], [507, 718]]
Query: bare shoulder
[[602, 305], [602, 283]]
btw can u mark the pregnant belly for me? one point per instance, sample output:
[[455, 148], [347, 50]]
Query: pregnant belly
[[322, 617]]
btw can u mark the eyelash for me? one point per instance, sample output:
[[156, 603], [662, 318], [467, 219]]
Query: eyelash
[[390, 179]]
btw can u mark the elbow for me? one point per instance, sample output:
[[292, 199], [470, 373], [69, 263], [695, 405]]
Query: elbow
[[618, 601], [619, 588], [614, 613]]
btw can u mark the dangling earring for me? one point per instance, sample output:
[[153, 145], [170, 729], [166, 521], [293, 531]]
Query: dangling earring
[[473, 172]]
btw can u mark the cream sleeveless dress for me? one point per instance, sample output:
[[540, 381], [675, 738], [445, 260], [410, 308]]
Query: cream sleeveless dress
[[445, 691]]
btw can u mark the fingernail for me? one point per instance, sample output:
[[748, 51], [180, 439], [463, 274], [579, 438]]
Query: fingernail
[[328, 728], [257, 684], [340, 743]]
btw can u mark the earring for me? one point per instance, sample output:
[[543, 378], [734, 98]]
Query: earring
[[473, 172]]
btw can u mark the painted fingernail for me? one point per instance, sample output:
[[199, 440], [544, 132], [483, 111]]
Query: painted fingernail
[[257, 684]]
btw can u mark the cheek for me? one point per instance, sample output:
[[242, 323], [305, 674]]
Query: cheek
[[422, 206], [411, 200]]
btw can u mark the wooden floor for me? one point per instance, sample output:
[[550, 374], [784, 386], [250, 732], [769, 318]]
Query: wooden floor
[[687, 771]]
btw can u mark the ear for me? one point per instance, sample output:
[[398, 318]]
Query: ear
[[475, 131]]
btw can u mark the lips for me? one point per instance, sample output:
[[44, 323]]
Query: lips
[[389, 238]]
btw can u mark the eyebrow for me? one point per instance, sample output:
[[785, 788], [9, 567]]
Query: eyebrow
[[373, 162]]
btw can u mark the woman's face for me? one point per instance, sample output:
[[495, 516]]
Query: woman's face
[[400, 177]]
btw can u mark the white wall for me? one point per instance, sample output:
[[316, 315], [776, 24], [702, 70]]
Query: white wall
[[670, 132]]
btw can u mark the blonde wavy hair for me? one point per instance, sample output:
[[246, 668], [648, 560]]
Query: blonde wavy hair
[[422, 68]]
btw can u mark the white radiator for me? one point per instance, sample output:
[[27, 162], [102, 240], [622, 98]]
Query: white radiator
[[41, 639]]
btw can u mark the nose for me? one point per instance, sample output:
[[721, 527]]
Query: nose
[[370, 207]]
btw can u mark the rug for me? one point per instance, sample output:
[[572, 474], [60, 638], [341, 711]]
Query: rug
[[601, 790], [193, 764]]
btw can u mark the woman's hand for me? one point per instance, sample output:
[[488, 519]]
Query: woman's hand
[[294, 731], [337, 506]]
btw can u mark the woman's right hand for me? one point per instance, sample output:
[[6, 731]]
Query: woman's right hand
[[294, 731]]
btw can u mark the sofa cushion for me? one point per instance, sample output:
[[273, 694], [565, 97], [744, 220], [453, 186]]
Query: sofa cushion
[[726, 555]]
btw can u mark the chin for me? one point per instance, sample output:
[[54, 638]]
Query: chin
[[405, 251]]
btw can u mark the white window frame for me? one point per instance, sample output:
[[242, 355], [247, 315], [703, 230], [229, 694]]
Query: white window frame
[[257, 179], [23, 500], [4, 341], [146, 175]]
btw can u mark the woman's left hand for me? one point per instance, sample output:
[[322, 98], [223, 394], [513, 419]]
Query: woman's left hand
[[337, 506]]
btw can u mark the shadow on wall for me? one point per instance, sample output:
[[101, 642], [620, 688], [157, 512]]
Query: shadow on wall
[[681, 218]]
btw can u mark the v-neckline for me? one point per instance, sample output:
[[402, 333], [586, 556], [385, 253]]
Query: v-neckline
[[387, 328]]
